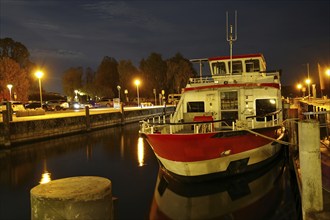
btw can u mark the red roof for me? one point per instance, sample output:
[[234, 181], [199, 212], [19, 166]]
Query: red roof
[[257, 55]]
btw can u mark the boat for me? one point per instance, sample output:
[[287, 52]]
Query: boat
[[226, 123]]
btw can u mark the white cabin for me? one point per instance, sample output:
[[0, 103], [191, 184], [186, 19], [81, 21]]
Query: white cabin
[[248, 96]]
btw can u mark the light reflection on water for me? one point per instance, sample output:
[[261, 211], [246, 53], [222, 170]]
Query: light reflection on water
[[45, 176], [140, 151], [116, 153]]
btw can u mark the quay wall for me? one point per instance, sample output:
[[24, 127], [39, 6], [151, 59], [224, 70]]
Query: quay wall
[[15, 132]]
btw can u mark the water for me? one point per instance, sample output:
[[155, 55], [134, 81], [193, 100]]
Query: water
[[141, 189]]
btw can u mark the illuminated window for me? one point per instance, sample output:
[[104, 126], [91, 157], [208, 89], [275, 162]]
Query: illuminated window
[[229, 106]]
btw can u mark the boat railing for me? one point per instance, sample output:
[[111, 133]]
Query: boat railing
[[162, 125], [274, 119], [201, 80], [323, 117], [273, 75]]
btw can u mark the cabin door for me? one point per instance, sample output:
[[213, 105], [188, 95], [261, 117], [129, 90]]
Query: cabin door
[[229, 106]]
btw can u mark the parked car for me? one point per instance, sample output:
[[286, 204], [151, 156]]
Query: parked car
[[34, 105], [15, 105], [58, 104], [79, 105], [105, 102]]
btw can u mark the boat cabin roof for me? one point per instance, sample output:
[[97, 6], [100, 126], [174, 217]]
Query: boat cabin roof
[[249, 63]]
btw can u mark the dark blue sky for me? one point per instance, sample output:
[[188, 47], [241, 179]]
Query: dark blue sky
[[69, 33]]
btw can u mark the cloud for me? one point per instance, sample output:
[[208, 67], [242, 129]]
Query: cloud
[[58, 53], [123, 14], [43, 25]]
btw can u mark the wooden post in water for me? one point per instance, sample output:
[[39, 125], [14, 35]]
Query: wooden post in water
[[122, 112], [6, 124], [83, 197], [88, 119], [310, 166]]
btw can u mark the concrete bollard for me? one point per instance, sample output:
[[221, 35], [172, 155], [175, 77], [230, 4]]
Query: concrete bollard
[[84, 197], [310, 166]]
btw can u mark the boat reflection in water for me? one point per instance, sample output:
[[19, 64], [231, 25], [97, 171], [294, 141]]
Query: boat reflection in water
[[257, 195]]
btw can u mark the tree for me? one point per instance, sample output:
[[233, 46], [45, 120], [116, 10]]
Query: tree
[[127, 74], [72, 80], [154, 70], [88, 84], [179, 70], [12, 73], [107, 77], [20, 54], [14, 50]]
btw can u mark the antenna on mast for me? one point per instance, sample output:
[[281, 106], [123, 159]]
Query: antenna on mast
[[230, 38]]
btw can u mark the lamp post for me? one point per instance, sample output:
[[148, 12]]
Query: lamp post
[[76, 96], [299, 87], [137, 83], [126, 93], [154, 91], [308, 82], [118, 87], [39, 74], [163, 97], [9, 86], [327, 72]]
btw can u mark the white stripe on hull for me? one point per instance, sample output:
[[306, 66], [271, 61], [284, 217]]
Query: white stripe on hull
[[220, 164]]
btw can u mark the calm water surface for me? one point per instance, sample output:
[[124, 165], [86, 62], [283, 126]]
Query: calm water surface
[[143, 191]]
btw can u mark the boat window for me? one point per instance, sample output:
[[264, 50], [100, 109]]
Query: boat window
[[229, 106], [265, 106], [229, 100], [195, 107], [219, 68], [237, 67], [252, 65]]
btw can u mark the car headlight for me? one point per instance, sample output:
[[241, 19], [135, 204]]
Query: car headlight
[[76, 105]]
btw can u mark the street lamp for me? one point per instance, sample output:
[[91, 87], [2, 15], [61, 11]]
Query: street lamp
[[118, 87], [39, 75], [327, 72], [137, 83], [9, 86], [299, 87], [76, 97], [308, 82], [126, 93], [163, 97]]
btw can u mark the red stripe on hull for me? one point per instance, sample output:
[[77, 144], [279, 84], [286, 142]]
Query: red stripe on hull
[[198, 147], [213, 86]]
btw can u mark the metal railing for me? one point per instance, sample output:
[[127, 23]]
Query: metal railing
[[162, 125]]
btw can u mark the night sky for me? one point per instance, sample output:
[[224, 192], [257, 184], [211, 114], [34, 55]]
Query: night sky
[[69, 33]]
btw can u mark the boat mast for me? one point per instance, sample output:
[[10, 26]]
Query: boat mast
[[231, 39]]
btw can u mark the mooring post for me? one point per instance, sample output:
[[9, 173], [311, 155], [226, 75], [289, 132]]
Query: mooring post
[[122, 112], [88, 119], [6, 124], [310, 166], [82, 197]]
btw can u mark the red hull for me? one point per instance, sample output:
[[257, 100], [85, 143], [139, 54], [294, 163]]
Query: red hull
[[197, 147], [211, 155]]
